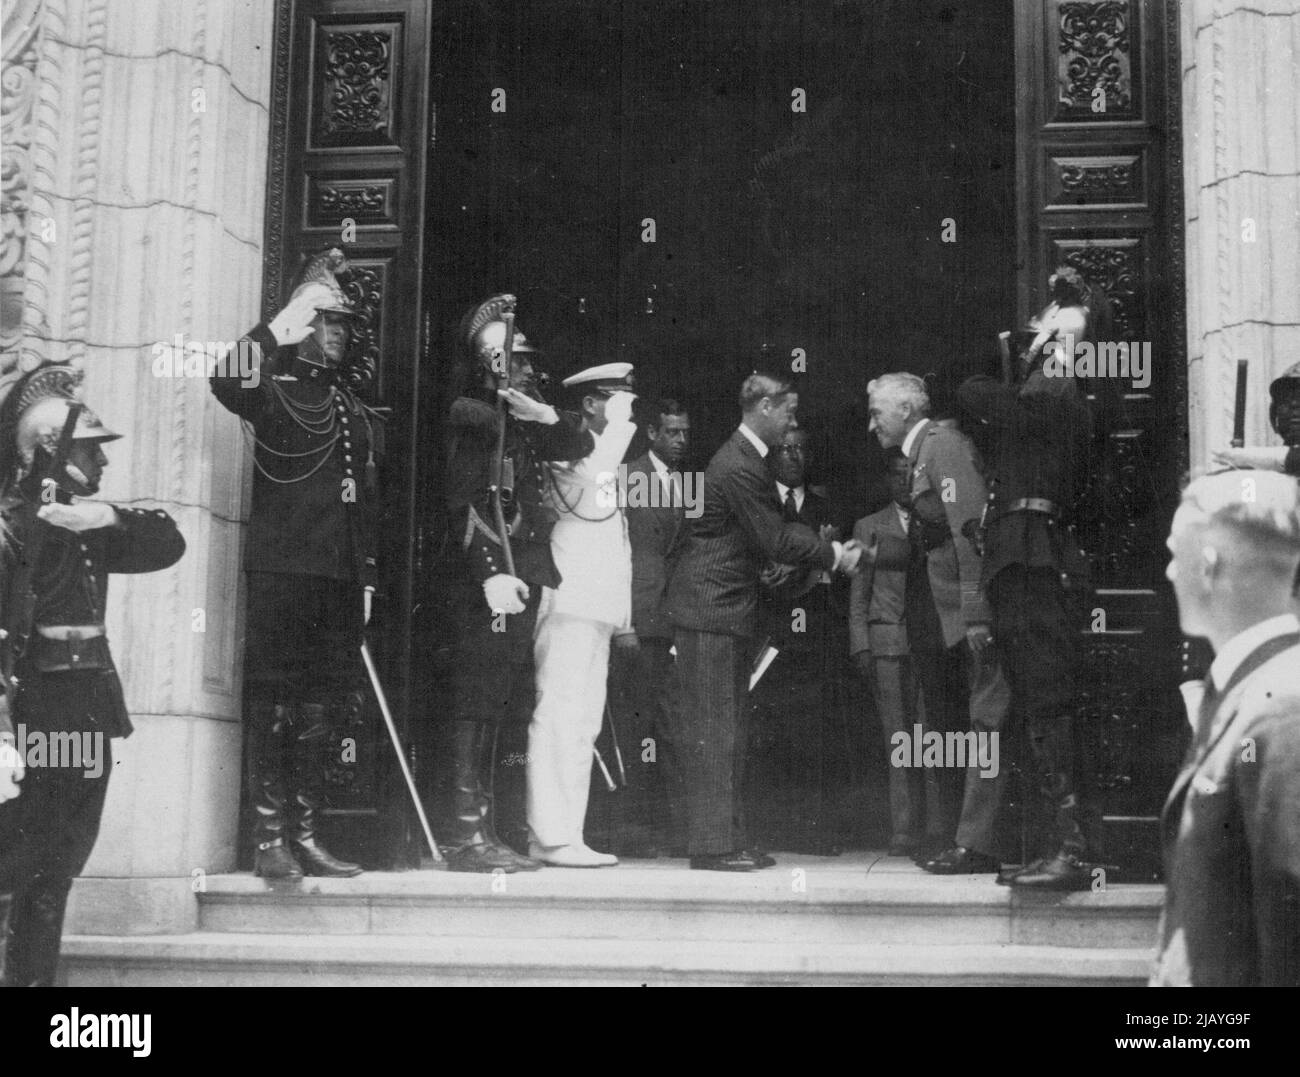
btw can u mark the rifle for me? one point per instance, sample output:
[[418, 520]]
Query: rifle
[[499, 461], [19, 621]]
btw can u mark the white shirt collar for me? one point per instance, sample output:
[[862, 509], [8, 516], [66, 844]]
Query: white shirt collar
[[782, 490], [912, 435], [904, 517], [657, 464], [1243, 644], [755, 440]]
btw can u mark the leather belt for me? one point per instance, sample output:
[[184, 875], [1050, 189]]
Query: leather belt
[[1031, 504], [70, 632]]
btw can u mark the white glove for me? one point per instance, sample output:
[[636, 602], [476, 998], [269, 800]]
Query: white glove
[[618, 408], [505, 594], [1264, 458], [524, 407], [79, 516], [850, 555], [293, 324]]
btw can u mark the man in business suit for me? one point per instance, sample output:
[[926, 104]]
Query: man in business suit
[[799, 705], [713, 604], [947, 615], [646, 814], [1231, 824], [878, 645]]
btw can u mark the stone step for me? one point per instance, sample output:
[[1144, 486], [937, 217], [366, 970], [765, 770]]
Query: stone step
[[215, 959], [811, 901]]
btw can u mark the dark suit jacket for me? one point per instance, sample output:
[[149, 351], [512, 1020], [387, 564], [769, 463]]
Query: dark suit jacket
[[876, 597], [740, 530], [658, 536], [1231, 832], [824, 608]]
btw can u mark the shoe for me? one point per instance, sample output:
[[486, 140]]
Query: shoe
[[570, 856], [962, 861], [930, 847], [474, 845], [737, 861], [1064, 871], [1010, 871], [760, 858], [268, 731], [311, 733], [274, 861]]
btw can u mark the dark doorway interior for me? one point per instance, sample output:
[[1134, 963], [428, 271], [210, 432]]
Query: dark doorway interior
[[821, 230]]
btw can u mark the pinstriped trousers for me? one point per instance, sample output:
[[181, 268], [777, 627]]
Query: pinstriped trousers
[[711, 737]]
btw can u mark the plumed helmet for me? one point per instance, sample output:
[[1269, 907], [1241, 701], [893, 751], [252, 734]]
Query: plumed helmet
[[324, 269], [483, 329], [33, 414]]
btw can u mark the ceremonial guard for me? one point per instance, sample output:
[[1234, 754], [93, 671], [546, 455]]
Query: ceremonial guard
[[1034, 574], [1284, 417], [578, 619], [501, 435], [309, 554], [60, 698]]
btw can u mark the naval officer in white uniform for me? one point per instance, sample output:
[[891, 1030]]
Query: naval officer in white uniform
[[577, 621]]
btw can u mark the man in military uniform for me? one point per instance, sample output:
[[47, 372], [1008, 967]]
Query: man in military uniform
[[309, 556], [1033, 579], [1284, 416], [496, 610], [579, 619], [60, 700]]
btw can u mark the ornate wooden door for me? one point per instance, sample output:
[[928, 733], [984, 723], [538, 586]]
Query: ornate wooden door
[[349, 135], [1099, 180]]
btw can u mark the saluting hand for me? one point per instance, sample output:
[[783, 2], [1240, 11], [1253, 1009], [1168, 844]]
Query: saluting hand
[[524, 407]]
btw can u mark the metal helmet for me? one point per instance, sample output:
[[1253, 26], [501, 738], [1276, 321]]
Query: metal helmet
[[324, 269], [34, 413], [483, 329]]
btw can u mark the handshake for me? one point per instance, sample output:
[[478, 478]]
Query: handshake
[[852, 553]]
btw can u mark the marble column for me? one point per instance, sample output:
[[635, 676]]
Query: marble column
[[147, 165], [1241, 85]]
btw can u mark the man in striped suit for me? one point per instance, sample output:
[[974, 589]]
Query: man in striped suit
[[713, 605]]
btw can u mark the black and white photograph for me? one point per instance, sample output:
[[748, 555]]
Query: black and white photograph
[[650, 493]]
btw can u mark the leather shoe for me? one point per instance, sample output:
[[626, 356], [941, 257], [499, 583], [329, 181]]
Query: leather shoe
[[737, 861], [760, 858], [570, 856], [274, 861], [962, 861], [1064, 871]]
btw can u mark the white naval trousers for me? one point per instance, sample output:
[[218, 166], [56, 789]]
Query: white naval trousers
[[572, 661]]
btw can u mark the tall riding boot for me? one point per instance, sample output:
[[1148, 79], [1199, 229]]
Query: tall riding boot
[[311, 741], [1054, 758], [6, 903], [474, 845], [35, 932], [268, 733]]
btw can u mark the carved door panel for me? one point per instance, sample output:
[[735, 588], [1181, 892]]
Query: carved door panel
[[349, 130], [1099, 188]]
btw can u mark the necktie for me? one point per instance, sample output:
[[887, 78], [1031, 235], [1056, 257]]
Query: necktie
[[791, 507], [674, 488]]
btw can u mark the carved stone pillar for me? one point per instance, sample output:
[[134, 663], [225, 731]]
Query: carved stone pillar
[[1241, 82], [145, 175]]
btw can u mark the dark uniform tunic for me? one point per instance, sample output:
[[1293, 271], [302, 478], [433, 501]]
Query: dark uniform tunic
[[493, 665], [310, 546], [61, 687], [1031, 560]]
